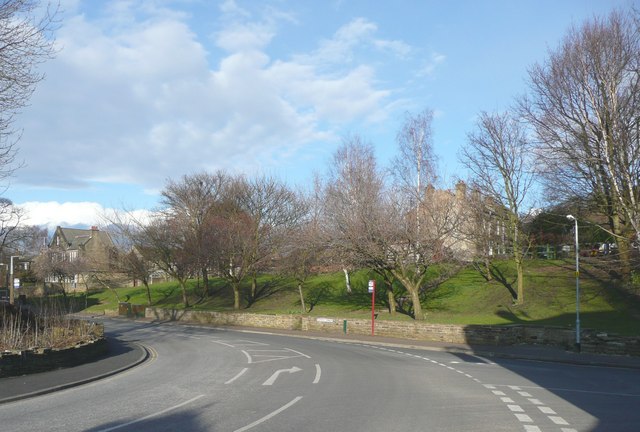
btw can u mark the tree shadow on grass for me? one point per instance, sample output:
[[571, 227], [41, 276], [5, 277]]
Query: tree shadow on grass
[[500, 277]]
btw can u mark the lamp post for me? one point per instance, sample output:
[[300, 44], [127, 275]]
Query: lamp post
[[577, 248], [11, 287]]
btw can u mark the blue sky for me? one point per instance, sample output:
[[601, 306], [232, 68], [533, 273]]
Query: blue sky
[[143, 91]]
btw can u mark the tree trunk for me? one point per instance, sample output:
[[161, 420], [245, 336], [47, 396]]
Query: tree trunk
[[520, 280], [347, 280], [487, 266], [146, 285], [205, 282], [236, 295], [304, 308], [183, 287], [417, 307], [624, 251], [391, 298], [254, 287]]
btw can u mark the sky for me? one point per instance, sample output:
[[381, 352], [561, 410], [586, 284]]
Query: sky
[[140, 92]]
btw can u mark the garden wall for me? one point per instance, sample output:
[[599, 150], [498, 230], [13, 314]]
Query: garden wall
[[15, 363], [591, 341]]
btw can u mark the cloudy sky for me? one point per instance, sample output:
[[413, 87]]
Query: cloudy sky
[[143, 91]]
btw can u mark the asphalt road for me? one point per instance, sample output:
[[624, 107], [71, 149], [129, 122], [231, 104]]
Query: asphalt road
[[201, 379]]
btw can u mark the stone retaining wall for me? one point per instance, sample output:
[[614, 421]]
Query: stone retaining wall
[[591, 341]]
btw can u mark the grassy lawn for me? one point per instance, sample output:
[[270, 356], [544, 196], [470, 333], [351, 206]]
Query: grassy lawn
[[466, 298]]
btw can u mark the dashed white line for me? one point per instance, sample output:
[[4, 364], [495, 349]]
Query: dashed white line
[[524, 394], [532, 428], [515, 408], [524, 418], [558, 420], [506, 400], [546, 410], [535, 401], [318, 374]]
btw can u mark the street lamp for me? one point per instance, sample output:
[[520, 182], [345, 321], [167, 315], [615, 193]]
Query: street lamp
[[577, 247], [11, 287]]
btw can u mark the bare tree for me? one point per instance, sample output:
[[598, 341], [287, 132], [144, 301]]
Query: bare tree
[[274, 211], [193, 202], [234, 246], [414, 167], [163, 241], [484, 230], [10, 218], [353, 199], [499, 155], [583, 103], [304, 251], [26, 40]]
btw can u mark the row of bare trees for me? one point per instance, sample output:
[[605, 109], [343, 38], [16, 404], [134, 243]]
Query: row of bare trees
[[359, 215]]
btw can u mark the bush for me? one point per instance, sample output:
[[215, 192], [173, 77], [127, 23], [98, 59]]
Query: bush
[[48, 327]]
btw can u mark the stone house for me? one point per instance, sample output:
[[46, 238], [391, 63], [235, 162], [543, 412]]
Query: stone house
[[85, 253]]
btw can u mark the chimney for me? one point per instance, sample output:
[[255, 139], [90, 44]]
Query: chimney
[[461, 190]]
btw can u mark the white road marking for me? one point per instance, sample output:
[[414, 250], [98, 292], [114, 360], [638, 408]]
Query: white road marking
[[269, 416], [558, 420], [515, 408], [237, 376], [223, 343], [535, 401], [318, 374], [498, 393], [264, 356], [524, 418], [524, 394], [298, 352], [546, 410], [514, 387], [506, 400], [164, 411], [277, 373], [532, 428], [249, 359], [568, 430]]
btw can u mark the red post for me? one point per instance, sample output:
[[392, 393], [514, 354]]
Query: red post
[[372, 290]]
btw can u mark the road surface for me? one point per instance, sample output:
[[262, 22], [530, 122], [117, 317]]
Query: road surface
[[203, 379]]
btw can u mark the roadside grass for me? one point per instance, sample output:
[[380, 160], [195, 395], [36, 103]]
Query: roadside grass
[[466, 298]]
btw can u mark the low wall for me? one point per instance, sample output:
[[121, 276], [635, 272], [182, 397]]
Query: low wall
[[591, 341], [15, 363], [286, 322]]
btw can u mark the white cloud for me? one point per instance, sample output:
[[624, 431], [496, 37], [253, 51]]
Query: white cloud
[[51, 214], [147, 100]]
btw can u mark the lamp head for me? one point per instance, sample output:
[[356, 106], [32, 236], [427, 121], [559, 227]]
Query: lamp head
[[571, 217]]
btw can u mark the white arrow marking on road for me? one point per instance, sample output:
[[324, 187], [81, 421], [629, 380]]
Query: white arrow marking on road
[[275, 375]]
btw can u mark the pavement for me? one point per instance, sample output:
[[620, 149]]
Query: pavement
[[126, 355], [121, 356]]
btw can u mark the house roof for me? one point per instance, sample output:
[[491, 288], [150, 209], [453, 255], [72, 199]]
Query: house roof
[[75, 238]]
